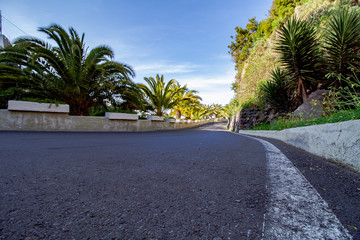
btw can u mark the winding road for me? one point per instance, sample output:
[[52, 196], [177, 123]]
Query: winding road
[[200, 183]]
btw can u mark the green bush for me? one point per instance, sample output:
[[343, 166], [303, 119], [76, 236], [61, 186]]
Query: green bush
[[276, 92], [345, 98]]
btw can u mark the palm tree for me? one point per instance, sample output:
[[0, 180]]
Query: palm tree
[[66, 72], [342, 42], [160, 94], [206, 111], [218, 110], [298, 48], [191, 109], [184, 97]]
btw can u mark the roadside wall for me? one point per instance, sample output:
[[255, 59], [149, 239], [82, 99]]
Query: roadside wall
[[249, 117], [36, 121], [336, 141]]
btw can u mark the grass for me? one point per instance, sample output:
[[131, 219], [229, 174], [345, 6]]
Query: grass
[[292, 122]]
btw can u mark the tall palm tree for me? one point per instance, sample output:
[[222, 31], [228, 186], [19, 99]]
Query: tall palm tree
[[342, 42], [184, 97], [65, 72], [160, 94], [298, 48]]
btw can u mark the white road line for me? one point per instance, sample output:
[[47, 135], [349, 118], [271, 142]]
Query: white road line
[[295, 210]]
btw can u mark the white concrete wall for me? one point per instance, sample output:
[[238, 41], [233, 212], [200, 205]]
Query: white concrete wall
[[36, 121], [37, 107], [336, 141]]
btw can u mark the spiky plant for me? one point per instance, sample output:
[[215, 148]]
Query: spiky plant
[[342, 44], [298, 48], [276, 92]]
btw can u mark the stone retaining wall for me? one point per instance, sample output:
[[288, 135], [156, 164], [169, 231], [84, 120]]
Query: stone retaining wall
[[249, 117]]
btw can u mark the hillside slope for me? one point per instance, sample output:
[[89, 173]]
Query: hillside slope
[[263, 58]]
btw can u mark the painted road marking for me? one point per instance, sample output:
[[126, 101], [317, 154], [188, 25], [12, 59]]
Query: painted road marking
[[295, 209]]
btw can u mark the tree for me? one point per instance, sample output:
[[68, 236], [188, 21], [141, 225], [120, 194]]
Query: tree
[[218, 110], [243, 41], [206, 111], [298, 48], [342, 42], [160, 94], [184, 97], [66, 72], [191, 109]]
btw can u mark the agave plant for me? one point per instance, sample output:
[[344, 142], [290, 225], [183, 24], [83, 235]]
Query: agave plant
[[65, 72], [298, 48], [161, 95], [342, 42]]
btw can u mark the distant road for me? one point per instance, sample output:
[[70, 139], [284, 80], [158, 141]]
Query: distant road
[[201, 183]]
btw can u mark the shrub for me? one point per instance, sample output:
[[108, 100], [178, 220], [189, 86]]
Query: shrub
[[275, 92], [347, 97]]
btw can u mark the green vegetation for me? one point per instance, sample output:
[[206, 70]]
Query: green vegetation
[[160, 94], [304, 45], [344, 98], [66, 72], [89, 80], [291, 122], [276, 92], [342, 40], [186, 99], [298, 50]]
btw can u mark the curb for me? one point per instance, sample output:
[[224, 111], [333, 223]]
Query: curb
[[339, 142]]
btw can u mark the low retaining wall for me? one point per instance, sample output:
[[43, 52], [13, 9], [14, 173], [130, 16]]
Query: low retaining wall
[[336, 141], [35, 121], [249, 117]]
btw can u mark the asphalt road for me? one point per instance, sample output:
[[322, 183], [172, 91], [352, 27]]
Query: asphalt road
[[201, 183]]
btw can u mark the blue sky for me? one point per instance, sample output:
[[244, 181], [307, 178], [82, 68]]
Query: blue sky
[[184, 40]]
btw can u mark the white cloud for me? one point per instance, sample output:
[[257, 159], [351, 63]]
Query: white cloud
[[209, 81], [163, 68], [212, 89], [222, 96]]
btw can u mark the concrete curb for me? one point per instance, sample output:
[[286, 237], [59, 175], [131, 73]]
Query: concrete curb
[[339, 142]]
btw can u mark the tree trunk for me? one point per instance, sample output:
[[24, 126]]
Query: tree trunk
[[178, 114], [79, 110], [302, 90], [159, 112]]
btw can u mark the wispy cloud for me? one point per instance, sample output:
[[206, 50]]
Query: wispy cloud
[[163, 68], [212, 88], [209, 81], [222, 96]]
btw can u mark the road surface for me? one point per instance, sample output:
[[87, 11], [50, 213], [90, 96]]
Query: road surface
[[201, 183]]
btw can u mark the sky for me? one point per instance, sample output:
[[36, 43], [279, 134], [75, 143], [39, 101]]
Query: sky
[[185, 40]]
